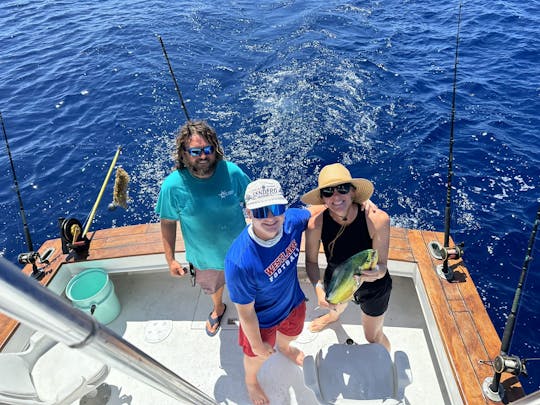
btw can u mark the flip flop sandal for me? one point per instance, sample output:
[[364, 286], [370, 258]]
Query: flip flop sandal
[[214, 321]]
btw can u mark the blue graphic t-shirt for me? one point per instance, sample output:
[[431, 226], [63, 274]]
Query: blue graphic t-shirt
[[209, 210], [268, 275]]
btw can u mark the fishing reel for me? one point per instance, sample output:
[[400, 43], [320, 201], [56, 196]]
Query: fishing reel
[[71, 235], [33, 258], [445, 253], [509, 364], [29, 258]]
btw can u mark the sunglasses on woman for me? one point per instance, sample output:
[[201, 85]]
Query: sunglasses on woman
[[264, 212], [341, 189], [207, 150]]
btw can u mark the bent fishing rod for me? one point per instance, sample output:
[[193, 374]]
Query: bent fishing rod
[[445, 252], [31, 256], [174, 79], [504, 362], [74, 237]]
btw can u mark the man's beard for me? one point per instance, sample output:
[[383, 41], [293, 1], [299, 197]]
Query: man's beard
[[202, 170]]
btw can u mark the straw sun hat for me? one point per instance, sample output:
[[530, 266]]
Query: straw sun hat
[[334, 175]]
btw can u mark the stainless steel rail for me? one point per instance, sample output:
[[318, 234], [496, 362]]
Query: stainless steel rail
[[26, 300]]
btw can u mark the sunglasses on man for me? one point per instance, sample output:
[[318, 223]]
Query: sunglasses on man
[[328, 192], [264, 212], [195, 152]]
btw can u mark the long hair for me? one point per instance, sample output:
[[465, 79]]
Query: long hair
[[186, 132]]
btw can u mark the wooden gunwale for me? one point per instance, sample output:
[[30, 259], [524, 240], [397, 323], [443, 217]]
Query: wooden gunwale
[[465, 328]]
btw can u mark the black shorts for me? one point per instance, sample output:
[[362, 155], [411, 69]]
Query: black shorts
[[373, 297]]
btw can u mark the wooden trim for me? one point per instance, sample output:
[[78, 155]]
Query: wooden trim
[[469, 336]]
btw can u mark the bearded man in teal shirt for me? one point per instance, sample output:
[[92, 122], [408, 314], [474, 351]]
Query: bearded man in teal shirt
[[206, 195]]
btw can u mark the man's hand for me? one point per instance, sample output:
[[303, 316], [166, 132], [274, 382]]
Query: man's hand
[[176, 269]]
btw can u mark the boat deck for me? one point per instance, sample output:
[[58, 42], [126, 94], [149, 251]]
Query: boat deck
[[458, 318]]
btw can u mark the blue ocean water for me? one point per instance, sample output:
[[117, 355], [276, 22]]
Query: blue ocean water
[[290, 86]]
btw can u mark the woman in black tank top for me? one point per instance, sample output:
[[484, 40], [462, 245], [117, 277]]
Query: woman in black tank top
[[345, 228]]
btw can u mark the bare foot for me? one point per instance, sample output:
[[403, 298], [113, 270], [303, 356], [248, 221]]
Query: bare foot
[[323, 321], [256, 394], [294, 354]]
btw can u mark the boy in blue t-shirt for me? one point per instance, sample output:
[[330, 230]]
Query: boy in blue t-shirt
[[261, 274]]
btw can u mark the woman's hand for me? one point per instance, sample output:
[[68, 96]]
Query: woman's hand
[[369, 206], [371, 275]]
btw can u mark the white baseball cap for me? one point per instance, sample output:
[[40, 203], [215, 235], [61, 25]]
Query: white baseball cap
[[263, 192]]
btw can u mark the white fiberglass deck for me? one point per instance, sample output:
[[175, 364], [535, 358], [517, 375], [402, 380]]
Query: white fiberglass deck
[[165, 317]]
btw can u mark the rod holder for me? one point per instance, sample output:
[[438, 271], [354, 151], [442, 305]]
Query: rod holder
[[496, 396]]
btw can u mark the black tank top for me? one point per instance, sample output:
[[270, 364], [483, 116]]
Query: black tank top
[[354, 238]]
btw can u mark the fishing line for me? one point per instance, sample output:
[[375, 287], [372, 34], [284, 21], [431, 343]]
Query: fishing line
[[174, 79]]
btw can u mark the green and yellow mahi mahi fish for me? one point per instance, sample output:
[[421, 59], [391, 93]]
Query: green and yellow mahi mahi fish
[[343, 284]]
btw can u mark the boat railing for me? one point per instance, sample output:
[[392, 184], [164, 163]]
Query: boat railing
[[29, 302]]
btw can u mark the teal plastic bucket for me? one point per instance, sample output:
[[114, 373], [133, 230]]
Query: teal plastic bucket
[[92, 291]]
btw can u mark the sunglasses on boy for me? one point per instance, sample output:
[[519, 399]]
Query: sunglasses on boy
[[341, 189], [207, 150], [264, 212]]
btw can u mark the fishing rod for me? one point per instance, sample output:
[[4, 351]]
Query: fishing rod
[[174, 79], [504, 362], [101, 191], [21, 207], [445, 252], [73, 236], [31, 256]]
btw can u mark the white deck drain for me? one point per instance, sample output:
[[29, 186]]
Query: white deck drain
[[157, 331]]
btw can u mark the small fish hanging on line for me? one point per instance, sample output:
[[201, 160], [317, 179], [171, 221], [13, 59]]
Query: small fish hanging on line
[[120, 192]]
